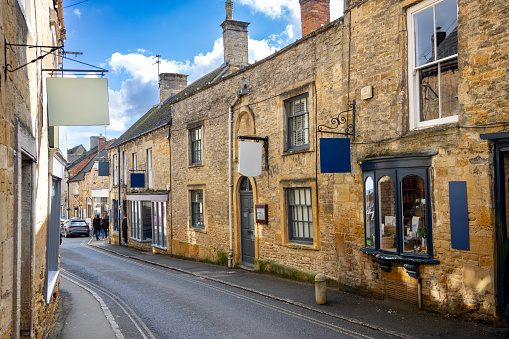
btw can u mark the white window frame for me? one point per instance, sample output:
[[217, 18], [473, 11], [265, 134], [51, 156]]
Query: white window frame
[[413, 76], [150, 173], [115, 170], [124, 156]]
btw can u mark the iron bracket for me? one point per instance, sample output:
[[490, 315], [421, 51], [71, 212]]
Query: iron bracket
[[339, 120]]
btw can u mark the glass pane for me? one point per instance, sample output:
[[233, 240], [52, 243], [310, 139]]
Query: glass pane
[[446, 14], [449, 80], [414, 215], [429, 93], [387, 204], [424, 35], [370, 212]]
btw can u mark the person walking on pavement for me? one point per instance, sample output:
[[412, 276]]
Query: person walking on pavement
[[124, 229], [96, 223], [105, 225]]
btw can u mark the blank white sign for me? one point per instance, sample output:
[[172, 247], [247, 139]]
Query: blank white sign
[[78, 101], [250, 158]]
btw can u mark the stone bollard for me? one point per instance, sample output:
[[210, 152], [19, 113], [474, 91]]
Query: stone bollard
[[320, 289]]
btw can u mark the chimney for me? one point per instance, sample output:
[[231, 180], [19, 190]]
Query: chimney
[[101, 143], [234, 39], [93, 141], [314, 14], [170, 84]]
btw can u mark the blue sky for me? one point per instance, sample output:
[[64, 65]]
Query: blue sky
[[125, 36]]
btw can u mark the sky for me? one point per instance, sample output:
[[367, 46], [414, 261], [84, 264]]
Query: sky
[[124, 37]]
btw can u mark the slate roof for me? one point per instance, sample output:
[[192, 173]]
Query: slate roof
[[102, 155], [160, 115], [81, 158]]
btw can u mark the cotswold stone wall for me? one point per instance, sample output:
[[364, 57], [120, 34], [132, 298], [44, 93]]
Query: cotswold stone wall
[[158, 142], [464, 281], [23, 120], [307, 67]]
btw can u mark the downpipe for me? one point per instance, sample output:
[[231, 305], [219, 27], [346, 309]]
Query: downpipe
[[230, 179]]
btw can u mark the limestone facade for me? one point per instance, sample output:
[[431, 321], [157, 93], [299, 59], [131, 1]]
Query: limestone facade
[[30, 171], [364, 56]]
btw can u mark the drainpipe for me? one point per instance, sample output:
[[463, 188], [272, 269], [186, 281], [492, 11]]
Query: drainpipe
[[230, 182]]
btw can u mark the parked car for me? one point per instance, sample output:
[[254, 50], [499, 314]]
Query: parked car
[[72, 227]]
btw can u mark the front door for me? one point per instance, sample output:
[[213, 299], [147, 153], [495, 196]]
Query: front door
[[501, 164], [247, 222]]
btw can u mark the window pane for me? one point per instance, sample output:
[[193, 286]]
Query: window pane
[[387, 205], [147, 220], [446, 15], [429, 93], [414, 215], [449, 80], [298, 122], [424, 35], [370, 212], [300, 217]]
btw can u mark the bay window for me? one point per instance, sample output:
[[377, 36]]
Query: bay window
[[397, 206]]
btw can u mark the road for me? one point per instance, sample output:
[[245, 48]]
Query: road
[[147, 301]]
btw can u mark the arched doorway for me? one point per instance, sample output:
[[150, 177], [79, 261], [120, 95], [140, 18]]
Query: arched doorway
[[247, 233]]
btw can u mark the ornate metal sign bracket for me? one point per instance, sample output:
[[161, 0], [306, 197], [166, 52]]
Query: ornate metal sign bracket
[[265, 146], [340, 120]]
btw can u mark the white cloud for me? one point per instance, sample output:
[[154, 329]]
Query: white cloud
[[77, 12], [273, 8]]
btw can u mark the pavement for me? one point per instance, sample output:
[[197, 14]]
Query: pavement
[[391, 318]]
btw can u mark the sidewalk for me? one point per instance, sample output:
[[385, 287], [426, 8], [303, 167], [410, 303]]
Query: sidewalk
[[81, 314], [389, 317]]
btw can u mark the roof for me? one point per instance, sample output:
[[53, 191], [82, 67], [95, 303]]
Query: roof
[[160, 115], [102, 155]]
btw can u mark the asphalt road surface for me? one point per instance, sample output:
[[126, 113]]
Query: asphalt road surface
[[153, 302]]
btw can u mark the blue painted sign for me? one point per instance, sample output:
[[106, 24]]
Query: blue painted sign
[[137, 180], [335, 155], [459, 215]]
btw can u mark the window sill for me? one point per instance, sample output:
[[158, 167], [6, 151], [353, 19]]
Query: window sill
[[393, 256], [160, 247], [301, 246], [296, 151], [198, 229], [196, 165]]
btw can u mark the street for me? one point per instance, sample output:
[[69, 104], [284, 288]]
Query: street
[[147, 301]]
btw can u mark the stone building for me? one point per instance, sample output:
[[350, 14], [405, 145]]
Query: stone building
[[387, 134], [88, 191], [31, 168]]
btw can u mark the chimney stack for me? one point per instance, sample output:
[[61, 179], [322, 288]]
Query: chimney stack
[[170, 84], [314, 14], [101, 143], [234, 39]]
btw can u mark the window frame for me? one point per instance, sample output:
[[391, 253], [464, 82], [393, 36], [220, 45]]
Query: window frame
[[150, 172], [398, 169], [192, 143], [290, 221], [159, 224], [289, 129], [193, 223], [414, 74]]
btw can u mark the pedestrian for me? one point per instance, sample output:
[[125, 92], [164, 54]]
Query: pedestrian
[[124, 229], [105, 225], [96, 223]]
